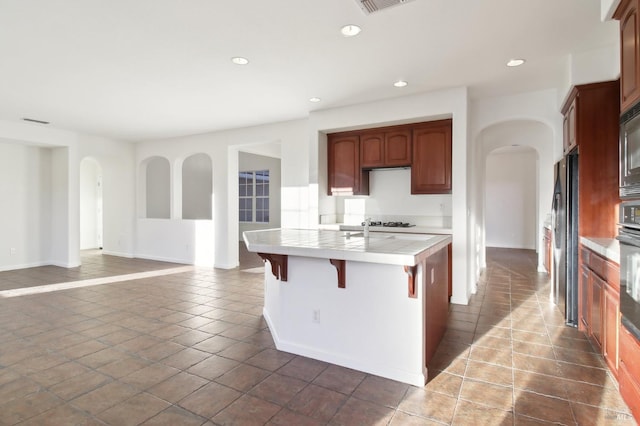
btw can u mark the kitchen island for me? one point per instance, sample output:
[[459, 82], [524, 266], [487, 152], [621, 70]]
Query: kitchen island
[[377, 304]]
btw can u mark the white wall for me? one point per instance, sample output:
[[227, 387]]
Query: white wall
[[390, 199], [25, 191], [64, 194], [176, 240], [607, 8], [66, 150], [116, 161], [61, 200], [529, 119], [592, 66], [251, 162], [224, 148], [510, 199]]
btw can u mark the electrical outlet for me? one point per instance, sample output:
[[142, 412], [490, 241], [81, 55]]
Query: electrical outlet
[[316, 316], [13, 251]]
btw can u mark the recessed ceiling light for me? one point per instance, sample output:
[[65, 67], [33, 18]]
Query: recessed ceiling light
[[239, 60], [314, 99], [400, 83], [515, 62], [350, 30]]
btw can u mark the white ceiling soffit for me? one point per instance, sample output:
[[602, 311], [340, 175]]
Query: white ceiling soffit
[[370, 6]]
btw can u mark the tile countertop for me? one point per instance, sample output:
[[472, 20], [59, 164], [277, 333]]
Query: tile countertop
[[607, 247], [408, 230], [387, 248]]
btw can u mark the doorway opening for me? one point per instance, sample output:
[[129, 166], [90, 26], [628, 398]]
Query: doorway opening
[[91, 205], [259, 195], [511, 198]]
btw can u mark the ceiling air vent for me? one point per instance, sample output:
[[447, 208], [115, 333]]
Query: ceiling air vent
[[370, 6]]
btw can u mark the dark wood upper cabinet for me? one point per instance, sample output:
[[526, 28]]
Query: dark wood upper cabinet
[[397, 148], [569, 127], [627, 14], [346, 177], [372, 150], [386, 149], [431, 162], [425, 147], [591, 117]]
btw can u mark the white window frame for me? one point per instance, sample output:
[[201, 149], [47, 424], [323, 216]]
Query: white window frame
[[252, 196]]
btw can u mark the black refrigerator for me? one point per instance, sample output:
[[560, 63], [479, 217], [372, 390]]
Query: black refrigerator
[[565, 235]]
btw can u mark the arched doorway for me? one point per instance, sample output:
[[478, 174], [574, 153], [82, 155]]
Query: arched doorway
[[91, 208], [505, 144]]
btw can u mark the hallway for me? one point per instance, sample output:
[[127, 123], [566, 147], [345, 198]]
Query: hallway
[[188, 346]]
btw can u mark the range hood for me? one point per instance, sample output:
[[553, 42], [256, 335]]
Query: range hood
[[371, 6]]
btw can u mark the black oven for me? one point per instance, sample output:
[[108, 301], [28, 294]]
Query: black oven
[[629, 238], [630, 153]]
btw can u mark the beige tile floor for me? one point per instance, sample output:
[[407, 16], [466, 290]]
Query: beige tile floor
[[191, 348]]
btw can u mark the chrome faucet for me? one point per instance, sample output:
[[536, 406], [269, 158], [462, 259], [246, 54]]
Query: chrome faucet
[[367, 222]]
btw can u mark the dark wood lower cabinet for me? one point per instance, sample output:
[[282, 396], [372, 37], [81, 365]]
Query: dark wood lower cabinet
[[436, 285], [583, 304], [546, 239], [611, 314], [629, 371], [597, 286], [599, 304]]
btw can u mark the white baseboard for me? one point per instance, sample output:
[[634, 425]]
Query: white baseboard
[[227, 266], [163, 259], [117, 253], [23, 266], [64, 264]]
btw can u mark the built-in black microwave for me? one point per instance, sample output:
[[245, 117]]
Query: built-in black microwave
[[630, 153]]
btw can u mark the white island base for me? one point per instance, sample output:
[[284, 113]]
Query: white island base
[[371, 325]]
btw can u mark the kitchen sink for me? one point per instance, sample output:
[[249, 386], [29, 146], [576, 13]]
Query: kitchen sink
[[372, 236]]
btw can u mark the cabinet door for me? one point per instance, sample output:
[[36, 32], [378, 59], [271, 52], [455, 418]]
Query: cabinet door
[[345, 175], [372, 150], [569, 127], [431, 162], [436, 308], [629, 56], [583, 294], [547, 250], [397, 148], [629, 371], [597, 286], [611, 311]]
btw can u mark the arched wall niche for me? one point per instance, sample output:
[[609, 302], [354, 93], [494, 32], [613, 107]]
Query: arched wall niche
[[197, 187], [156, 172]]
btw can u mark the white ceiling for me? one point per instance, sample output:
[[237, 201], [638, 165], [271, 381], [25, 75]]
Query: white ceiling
[[146, 69]]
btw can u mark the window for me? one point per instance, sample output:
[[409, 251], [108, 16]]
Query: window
[[254, 196]]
